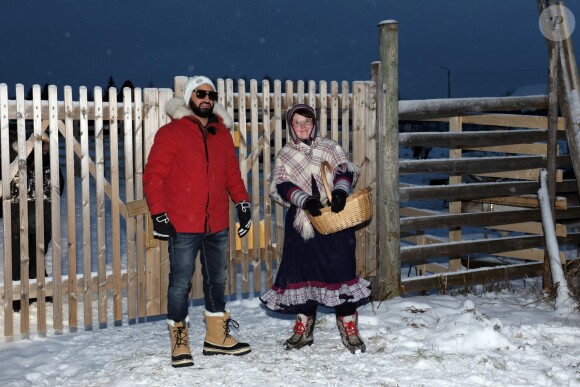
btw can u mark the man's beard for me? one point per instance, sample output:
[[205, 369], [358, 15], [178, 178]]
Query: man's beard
[[203, 113]]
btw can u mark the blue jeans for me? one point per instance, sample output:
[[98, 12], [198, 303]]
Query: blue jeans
[[183, 249]]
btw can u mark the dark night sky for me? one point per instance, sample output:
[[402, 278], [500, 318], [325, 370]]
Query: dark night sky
[[491, 48]]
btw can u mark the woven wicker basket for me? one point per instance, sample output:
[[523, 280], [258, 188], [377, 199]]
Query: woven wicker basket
[[358, 209]]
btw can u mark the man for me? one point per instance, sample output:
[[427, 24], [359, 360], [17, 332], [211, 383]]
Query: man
[[190, 175], [31, 199]]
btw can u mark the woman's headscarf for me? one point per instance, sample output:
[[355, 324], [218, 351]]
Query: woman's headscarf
[[306, 111]]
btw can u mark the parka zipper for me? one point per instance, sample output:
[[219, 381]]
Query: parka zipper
[[206, 221]]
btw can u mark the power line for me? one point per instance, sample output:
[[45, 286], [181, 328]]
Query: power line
[[441, 80], [441, 74]]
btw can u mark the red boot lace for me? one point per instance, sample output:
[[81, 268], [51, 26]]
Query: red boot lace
[[300, 327], [350, 328]]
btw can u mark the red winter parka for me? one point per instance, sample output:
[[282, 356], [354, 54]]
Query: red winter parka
[[192, 171]]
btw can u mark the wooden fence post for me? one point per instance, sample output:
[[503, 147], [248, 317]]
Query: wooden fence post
[[388, 257]]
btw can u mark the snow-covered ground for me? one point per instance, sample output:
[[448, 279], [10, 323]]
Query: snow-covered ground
[[507, 338]]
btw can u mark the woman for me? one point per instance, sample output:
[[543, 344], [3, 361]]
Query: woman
[[316, 269]]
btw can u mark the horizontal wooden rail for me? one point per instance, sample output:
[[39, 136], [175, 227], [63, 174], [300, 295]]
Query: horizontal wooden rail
[[468, 165], [481, 276], [478, 190], [506, 120], [468, 139], [420, 253], [468, 191], [481, 219], [434, 108]]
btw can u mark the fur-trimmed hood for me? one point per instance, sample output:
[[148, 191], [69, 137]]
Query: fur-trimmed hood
[[177, 109]]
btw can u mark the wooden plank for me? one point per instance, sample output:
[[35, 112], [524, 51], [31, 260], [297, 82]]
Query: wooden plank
[[137, 207], [86, 212], [71, 222], [530, 228], [423, 239], [164, 96], [6, 210], [468, 191], [334, 98], [452, 107], [467, 139], [115, 201], [444, 282], [23, 212], [38, 130], [140, 207], [371, 175], [255, 198], [530, 201], [278, 119], [78, 285], [267, 256], [243, 151], [434, 268], [511, 121], [530, 149], [312, 94], [136, 241], [323, 115], [530, 254], [345, 117], [100, 207], [358, 158], [389, 270], [418, 254], [455, 126], [482, 219], [469, 165], [229, 100], [526, 174], [147, 277], [128, 171], [416, 212]]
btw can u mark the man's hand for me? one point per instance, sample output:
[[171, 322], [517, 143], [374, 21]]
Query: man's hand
[[162, 227], [245, 218], [338, 200], [313, 206]]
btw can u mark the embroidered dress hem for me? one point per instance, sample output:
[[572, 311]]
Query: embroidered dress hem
[[290, 299]]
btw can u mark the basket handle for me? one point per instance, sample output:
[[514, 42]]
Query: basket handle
[[323, 167]]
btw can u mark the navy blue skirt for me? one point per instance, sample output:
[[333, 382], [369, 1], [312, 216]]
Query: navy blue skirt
[[317, 271]]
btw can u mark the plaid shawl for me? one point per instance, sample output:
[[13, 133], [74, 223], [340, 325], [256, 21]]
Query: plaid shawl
[[297, 163]]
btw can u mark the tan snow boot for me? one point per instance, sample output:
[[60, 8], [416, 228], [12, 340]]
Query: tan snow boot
[[180, 352], [348, 328], [218, 340], [303, 332]]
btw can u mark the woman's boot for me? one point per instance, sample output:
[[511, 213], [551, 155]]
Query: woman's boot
[[303, 332], [348, 328]]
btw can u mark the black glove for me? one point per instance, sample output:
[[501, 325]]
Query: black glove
[[245, 218], [338, 200], [313, 206], [162, 227]]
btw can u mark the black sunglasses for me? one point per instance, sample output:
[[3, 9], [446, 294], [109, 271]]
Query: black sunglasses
[[213, 95]]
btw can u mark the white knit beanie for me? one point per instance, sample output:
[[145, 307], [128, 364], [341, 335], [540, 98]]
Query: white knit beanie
[[193, 83]]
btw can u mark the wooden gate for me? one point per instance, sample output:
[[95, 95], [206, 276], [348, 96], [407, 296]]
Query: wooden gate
[[102, 267]]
